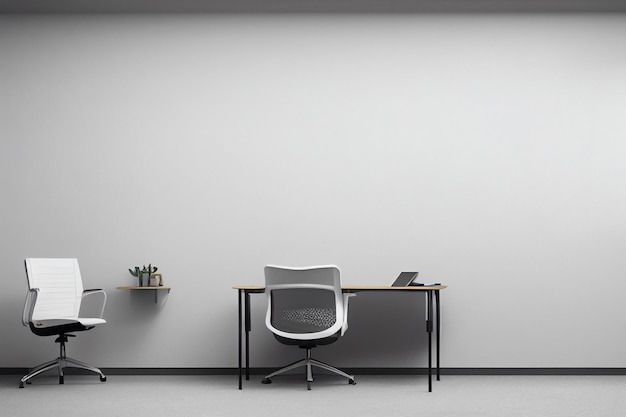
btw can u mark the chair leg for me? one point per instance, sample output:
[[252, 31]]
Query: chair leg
[[39, 369], [328, 367], [287, 368], [73, 363], [309, 370]]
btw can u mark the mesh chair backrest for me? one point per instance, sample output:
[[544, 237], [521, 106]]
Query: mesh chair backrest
[[59, 287], [303, 310], [304, 303]]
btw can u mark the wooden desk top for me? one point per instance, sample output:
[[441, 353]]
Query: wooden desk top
[[390, 288], [261, 288]]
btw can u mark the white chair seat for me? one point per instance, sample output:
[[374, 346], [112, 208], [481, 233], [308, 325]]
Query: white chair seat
[[87, 322], [91, 321]]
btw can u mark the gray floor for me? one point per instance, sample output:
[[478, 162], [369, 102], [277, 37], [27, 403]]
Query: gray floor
[[396, 396]]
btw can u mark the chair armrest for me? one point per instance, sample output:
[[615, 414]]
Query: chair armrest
[[29, 306], [97, 291], [346, 297]]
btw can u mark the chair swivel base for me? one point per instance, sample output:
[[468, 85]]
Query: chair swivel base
[[309, 363], [60, 364]]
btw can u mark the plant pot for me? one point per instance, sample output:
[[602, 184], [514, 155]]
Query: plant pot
[[155, 280]]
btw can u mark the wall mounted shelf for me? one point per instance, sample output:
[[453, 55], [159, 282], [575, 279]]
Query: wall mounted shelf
[[155, 289]]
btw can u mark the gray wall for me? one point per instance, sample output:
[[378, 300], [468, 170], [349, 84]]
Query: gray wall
[[485, 151]]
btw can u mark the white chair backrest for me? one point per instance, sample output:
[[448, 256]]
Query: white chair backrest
[[59, 286], [325, 311]]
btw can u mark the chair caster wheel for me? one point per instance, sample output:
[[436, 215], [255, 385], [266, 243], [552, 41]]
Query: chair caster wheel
[[21, 385], [103, 379], [351, 382], [266, 381], [61, 380]]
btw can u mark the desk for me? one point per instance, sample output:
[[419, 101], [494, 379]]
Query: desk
[[432, 299]]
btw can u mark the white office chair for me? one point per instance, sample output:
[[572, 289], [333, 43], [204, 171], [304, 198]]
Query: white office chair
[[306, 308], [55, 292]]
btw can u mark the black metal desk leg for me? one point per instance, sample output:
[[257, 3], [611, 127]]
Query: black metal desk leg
[[248, 327], [429, 328], [240, 317], [438, 337]]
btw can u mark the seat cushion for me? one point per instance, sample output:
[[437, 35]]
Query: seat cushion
[[308, 343], [57, 326]]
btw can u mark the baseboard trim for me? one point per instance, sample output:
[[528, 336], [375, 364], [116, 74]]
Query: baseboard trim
[[355, 371], [533, 371]]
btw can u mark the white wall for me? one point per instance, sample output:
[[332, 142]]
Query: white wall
[[485, 151]]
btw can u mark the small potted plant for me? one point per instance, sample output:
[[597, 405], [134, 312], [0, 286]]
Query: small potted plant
[[146, 272]]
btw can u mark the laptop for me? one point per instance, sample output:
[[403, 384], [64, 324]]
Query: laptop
[[405, 279]]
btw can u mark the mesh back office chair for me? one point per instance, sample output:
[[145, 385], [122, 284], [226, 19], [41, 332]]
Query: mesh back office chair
[[55, 291], [306, 308]]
